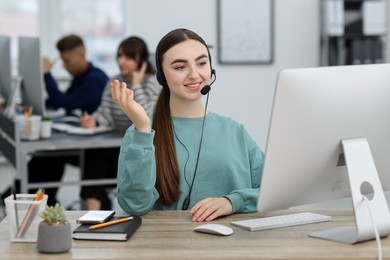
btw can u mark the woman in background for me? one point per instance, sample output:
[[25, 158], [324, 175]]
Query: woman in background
[[139, 76], [167, 163]]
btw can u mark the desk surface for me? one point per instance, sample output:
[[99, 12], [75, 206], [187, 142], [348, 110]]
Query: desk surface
[[60, 143], [64, 141], [169, 235]]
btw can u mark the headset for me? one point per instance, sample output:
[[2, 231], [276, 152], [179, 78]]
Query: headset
[[204, 91]]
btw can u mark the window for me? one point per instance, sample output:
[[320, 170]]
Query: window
[[101, 23], [18, 18]]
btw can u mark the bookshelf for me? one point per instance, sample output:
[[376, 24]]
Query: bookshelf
[[352, 32]]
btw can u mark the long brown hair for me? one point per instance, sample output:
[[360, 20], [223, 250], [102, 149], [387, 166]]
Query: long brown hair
[[167, 168]]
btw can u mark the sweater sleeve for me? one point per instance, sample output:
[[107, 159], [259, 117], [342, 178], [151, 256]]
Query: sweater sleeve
[[137, 173], [84, 92], [245, 200], [51, 88]]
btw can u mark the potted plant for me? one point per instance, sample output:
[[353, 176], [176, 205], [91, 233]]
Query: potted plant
[[54, 232], [46, 126]]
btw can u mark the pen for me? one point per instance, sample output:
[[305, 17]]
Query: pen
[[27, 116], [110, 223], [15, 208], [32, 210]]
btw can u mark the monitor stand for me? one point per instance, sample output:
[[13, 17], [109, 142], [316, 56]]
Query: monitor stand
[[362, 173]]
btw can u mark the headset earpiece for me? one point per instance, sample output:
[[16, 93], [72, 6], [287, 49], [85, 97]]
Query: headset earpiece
[[160, 74], [160, 78]]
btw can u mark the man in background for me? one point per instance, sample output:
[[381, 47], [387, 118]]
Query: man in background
[[87, 84], [84, 94]]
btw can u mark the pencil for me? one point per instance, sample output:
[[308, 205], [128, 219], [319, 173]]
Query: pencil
[[27, 116], [30, 214], [110, 223]]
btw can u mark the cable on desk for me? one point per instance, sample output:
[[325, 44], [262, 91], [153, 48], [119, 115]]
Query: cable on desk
[[377, 237]]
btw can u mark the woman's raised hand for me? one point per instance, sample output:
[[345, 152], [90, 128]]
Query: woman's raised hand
[[124, 98]]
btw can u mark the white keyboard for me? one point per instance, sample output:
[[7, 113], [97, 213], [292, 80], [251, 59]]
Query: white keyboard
[[281, 221]]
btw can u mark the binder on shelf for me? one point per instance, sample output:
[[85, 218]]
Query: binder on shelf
[[377, 52], [374, 17], [356, 52], [368, 51], [334, 17]]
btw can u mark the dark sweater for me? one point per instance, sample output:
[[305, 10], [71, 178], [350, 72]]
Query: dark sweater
[[84, 92]]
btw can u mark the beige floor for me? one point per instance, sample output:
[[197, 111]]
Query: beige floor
[[67, 195]]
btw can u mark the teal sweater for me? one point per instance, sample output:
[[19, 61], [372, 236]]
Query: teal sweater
[[230, 165]]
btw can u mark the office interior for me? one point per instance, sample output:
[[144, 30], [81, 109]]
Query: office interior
[[242, 91]]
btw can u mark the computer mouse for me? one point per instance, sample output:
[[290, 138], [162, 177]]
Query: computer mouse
[[216, 229]]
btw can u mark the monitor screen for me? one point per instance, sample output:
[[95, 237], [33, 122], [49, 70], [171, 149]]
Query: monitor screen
[[313, 110], [5, 66], [30, 70]]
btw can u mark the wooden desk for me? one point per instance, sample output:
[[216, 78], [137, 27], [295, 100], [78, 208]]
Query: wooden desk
[[169, 235]]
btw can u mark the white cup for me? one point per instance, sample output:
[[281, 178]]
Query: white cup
[[46, 128], [23, 216], [29, 128]]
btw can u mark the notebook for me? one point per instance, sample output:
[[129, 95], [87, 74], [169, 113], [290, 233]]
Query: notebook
[[118, 232], [79, 130], [71, 125]]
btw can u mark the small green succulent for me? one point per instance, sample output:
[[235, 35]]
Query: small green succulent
[[53, 215], [45, 118]]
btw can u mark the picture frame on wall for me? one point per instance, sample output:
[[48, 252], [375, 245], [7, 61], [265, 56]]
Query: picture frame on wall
[[245, 31]]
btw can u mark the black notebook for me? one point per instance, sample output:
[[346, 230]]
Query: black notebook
[[120, 232]]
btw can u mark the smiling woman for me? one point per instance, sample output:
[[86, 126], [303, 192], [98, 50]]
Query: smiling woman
[[159, 158]]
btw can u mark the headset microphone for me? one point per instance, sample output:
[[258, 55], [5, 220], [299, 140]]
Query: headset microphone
[[205, 90]]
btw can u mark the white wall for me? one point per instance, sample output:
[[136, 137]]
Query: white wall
[[243, 92]]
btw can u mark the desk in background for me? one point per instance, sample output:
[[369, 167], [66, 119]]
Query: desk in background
[[168, 235], [18, 152]]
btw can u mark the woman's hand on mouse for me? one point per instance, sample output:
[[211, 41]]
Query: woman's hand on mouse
[[210, 209]]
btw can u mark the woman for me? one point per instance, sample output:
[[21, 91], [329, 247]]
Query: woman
[[139, 75], [164, 163]]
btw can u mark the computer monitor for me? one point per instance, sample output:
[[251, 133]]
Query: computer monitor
[[5, 66], [30, 70], [322, 116]]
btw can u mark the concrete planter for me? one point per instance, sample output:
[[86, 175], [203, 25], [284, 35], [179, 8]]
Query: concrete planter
[[54, 238]]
